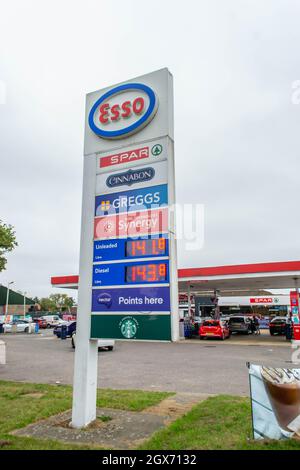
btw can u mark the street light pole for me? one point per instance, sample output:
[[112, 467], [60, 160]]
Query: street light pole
[[24, 303], [7, 298]]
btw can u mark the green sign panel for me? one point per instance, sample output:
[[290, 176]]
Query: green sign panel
[[143, 327]]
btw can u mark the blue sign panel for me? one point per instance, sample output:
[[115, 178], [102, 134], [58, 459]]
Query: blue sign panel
[[143, 272], [121, 248], [135, 200], [139, 299]]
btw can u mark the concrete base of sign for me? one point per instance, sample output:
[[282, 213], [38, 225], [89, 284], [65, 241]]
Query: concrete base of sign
[[114, 429]]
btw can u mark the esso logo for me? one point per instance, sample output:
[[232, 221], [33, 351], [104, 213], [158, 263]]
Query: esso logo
[[123, 111]]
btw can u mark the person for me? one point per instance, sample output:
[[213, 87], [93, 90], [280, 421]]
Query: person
[[289, 328], [255, 325]]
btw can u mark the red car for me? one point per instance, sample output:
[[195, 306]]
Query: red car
[[41, 322], [214, 329]]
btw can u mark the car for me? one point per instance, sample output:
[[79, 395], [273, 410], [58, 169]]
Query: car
[[214, 329], [41, 322], [52, 320], [240, 324], [278, 326], [20, 326], [106, 344], [71, 327]]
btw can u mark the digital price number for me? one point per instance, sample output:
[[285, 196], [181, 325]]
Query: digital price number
[[146, 273], [155, 247]]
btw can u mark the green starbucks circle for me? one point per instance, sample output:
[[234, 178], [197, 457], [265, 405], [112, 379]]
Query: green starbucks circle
[[128, 327]]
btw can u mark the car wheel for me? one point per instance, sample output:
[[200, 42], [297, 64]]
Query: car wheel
[[73, 342], [48, 325], [26, 330], [110, 348], [271, 333]]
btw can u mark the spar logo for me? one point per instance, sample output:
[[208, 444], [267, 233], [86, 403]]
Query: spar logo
[[130, 177], [123, 111]]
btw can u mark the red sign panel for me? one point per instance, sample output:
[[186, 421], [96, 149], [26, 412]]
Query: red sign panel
[[261, 300], [132, 224], [294, 299], [124, 157]]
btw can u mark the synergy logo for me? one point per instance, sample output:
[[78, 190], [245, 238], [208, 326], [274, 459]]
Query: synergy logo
[[133, 200], [130, 177], [123, 111]]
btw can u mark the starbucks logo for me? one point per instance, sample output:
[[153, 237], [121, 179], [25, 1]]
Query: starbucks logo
[[276, 300], [128, 327]]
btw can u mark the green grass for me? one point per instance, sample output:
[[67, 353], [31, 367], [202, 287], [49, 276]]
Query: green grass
[[18, 408], [222, 422]]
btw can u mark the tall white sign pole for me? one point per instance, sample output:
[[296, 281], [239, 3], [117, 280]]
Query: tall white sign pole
[[127, 126], [86, 351]]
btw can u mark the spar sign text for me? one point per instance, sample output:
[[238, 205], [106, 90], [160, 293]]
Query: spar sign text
[[128, 272]]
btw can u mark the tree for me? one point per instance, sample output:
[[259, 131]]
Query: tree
[[62, 301], [7, 242], [47, 305]]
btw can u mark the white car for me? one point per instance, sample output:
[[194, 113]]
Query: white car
[[52, 320], [22, 326], [102, 343]]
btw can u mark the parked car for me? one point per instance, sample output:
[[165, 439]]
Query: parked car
[[214, 329], [52, 320], [22, 326], [42, 322], [71, 327], [278, 326], [106, 344], [240, 324]]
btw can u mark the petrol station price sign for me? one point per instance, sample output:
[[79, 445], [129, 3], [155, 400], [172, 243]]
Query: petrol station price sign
[[129, 133]]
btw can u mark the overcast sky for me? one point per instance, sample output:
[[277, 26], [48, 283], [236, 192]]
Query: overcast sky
[[234, 64]]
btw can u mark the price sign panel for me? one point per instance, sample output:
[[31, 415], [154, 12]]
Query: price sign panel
[[129, 137]]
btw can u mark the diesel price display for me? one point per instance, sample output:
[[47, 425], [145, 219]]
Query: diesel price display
[[118, 274], [146, 273]]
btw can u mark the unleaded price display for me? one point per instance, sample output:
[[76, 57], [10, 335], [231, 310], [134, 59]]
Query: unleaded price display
[[155, 247]]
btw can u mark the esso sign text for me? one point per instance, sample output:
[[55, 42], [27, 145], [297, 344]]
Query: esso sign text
[[123, 111], [118, 111]]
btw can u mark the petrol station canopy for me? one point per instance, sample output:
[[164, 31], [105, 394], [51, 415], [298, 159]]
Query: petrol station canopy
[[273, 275]]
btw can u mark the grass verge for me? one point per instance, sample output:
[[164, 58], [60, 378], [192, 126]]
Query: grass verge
[[222, 422], [24, 403]]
